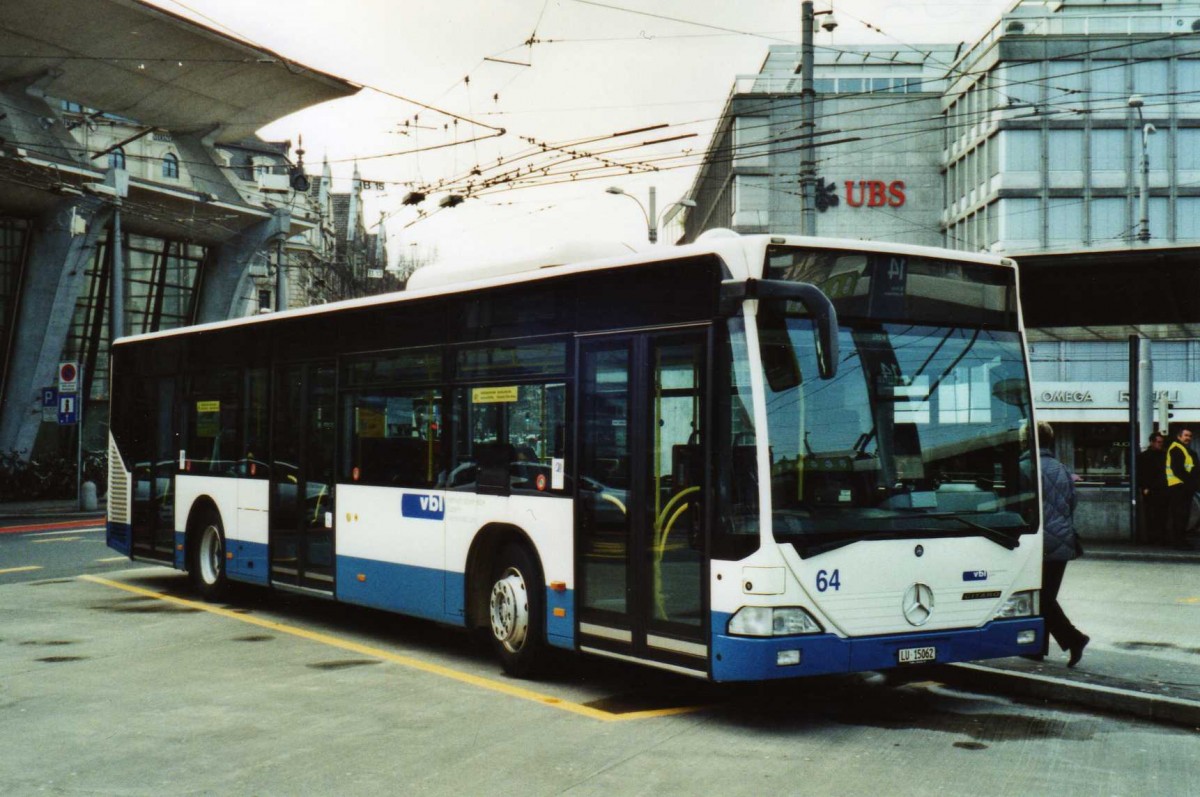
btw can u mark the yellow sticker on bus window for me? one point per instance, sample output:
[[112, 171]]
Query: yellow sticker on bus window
[[208, 406], [494, 395], [369, 422]]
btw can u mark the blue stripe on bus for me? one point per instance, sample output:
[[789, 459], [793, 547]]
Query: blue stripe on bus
[[180, 553], [119, 537], [434, 595], [408, 589], [753, 659], [560, 631], [250, 562]]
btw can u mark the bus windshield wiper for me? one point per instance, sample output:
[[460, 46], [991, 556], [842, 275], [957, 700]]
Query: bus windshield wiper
[[995, 535]]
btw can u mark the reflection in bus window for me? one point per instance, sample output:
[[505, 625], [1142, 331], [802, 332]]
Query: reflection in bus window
[[524, 426], [393, 437]]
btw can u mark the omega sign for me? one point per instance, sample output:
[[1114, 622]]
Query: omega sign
[[1066, 397], [861, 193]]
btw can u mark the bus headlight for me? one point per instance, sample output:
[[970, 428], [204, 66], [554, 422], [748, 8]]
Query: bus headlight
[[773, 621], [1020, 604]]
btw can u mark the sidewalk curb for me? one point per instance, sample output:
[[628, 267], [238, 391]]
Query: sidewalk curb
[[1162, 557], [1156, 708]]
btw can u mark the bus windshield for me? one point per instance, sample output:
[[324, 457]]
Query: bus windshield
[[924, 429]]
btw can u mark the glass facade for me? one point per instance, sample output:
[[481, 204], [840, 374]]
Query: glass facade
[[13, 235]]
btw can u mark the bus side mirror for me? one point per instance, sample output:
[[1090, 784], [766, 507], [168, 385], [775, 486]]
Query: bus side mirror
[[775, 292]]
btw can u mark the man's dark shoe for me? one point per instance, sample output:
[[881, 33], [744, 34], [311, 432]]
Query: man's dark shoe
[[1077, 650]]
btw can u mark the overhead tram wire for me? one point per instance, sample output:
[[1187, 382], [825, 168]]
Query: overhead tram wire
[[730, 154], [498, 131], [540, 148], [534, 179], [641, 13], [1072, 56]]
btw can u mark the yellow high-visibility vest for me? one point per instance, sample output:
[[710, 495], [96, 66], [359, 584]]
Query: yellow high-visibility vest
[[1172, 479]]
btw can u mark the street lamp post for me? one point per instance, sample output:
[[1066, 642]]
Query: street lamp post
[[1148, 129], [808, 164], [653, 221]]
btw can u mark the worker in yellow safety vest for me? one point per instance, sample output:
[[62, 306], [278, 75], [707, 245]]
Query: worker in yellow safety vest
[[1181, 486]]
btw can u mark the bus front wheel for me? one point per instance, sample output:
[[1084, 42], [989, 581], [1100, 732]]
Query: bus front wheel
[[207, 552], [516, 612]]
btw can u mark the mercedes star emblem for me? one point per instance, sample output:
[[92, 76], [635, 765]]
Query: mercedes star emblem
[[918, 604]]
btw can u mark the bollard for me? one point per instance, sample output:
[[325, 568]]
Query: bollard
[[87, 499]]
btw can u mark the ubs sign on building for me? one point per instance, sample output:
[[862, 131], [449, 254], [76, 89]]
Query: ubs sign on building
[[878, 148]]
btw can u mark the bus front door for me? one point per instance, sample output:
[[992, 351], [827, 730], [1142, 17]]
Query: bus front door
[[642, 473], [302, 476]]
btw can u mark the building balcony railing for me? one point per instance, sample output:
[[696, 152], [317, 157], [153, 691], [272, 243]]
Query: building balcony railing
[[1130, 23]]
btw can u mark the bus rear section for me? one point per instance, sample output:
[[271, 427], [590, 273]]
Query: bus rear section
[[886, 515]]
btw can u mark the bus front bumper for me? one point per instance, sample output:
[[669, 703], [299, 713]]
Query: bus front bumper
[[755, 659]]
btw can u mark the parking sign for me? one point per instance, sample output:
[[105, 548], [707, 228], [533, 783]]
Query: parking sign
[[68, 377]]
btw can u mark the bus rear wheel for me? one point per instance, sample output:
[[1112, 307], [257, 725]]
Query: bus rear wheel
[[516, 612], [206, 569]]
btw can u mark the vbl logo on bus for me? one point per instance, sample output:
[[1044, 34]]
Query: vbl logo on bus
[[423, 507]]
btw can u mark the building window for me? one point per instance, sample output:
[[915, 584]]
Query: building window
[[1187, 218], [1020, 82], [1022, 150], [1108, 150], [1188, 149], [1150, 79], [1101, 452], [170, 167], [116, 159], [1188, 88], [1109, 220], [1064, 84], [1108, 82], [1066, 151], [851, 85], [751, 200], [1066, 221], [1021, 220], [750, 136]]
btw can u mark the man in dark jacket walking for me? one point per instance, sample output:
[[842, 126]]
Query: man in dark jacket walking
[[1061, 544], [1152, 489]]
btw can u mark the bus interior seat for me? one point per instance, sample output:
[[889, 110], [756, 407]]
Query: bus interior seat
[[494, 460]]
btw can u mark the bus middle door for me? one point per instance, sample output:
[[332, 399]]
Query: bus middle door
[[302, 476]]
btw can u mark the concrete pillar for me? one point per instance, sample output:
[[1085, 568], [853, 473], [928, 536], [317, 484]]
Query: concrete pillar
[[62, 245], [226, 284]]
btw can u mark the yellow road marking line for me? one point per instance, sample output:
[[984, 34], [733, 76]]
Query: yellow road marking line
[[25, 569], [56, 539], [1188, 600], [114, 559], [405, 661], [89, 530]]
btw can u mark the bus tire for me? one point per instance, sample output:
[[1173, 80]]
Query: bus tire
[[206, 556], [516, 611]]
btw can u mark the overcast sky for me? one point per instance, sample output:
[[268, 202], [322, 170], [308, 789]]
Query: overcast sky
[[595, 67]]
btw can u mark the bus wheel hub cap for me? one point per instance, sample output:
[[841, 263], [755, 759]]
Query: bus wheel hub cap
[[510, 611]]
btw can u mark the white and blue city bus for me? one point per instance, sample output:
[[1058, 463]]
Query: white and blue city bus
[[746, 458]]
